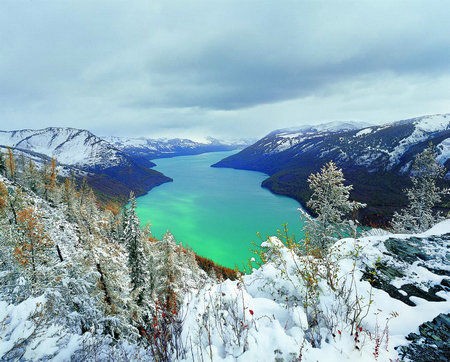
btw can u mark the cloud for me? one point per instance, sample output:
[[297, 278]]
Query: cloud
[[215, 67]]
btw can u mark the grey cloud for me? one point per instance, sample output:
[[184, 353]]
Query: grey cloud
[[200, 67]]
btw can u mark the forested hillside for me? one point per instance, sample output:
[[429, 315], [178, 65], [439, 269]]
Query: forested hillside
[[376, 160]]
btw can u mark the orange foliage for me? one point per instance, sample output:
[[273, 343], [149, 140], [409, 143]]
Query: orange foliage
[[208, 265], [50, 178], [10, 163], [35, 238], [3, 196], [112, 206]]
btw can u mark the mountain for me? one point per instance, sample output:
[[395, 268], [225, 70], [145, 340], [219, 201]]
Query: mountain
[[111, 172], [66, 292], [375, 159], [150, 148], [69, 146]]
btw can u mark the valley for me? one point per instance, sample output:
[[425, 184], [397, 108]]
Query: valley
[[224, 181], [92, 273]]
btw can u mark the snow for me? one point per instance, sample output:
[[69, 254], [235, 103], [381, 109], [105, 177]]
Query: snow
[[364, 132], [15, 323], [68, 145], [423, 126], [221, 327], [261, 316], [443, 149], [291, 135], [435, 123], [439, 229], [336, 126]]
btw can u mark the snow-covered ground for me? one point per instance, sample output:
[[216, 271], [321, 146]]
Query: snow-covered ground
[[263, 317]]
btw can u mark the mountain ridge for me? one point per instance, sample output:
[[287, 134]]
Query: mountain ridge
[[375, 159]]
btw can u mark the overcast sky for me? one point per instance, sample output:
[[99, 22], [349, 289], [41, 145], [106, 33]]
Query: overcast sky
[[220, 68]]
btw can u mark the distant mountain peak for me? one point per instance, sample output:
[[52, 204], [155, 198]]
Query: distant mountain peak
[[335, 126]]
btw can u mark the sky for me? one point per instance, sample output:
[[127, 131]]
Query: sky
[[227, 69]]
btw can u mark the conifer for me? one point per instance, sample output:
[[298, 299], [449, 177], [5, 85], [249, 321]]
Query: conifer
[[423, 195], [31, 247], [330, 200], [137, 260]]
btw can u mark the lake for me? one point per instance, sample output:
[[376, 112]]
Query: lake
[[215, 211]]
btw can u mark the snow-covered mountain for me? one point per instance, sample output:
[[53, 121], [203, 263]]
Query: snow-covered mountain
[[376, 159], [285, 138], [113, 165], [108, 170], [164, 147], [329, 127], [375, 147], [69, 146]]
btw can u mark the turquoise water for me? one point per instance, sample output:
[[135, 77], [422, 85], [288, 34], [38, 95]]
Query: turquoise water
[[215, 211]]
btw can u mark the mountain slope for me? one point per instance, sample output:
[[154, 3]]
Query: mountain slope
[[376, 159], [111, 172]]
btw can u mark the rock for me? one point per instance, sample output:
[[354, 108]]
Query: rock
[[431, 344], [402, 253]]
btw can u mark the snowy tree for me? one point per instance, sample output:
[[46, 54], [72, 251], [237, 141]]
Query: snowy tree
[[31, 176], [133, 239], [170, 272], [69, 196], [423, 195], [330, 201]]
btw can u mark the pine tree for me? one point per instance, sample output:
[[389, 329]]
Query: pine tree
[[137, 260], [423, 195], [31, 176], [21, 162], [170, 273], [330, 201]]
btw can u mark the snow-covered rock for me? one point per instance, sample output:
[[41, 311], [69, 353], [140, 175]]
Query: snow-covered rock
[[265, 316]]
